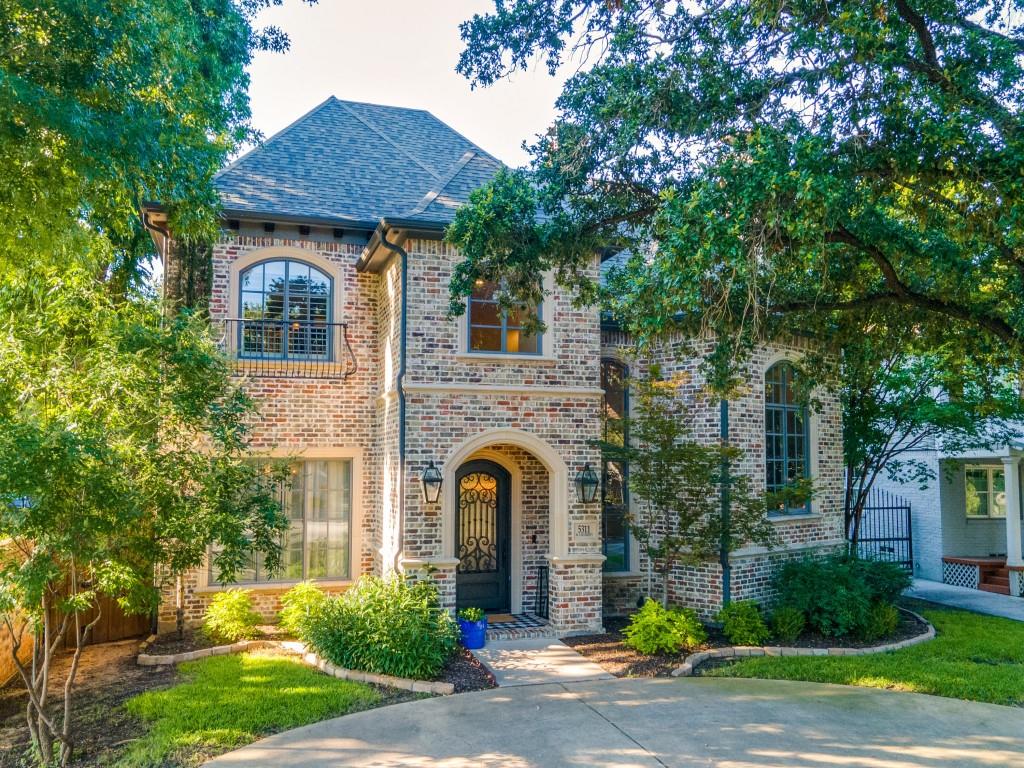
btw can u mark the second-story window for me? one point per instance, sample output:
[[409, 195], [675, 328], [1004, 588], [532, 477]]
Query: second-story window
[[493, 330], [285, 311]]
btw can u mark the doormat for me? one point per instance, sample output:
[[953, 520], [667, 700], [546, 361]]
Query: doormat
[[500, 618]]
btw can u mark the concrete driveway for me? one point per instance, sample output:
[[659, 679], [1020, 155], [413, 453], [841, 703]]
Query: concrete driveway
[[640, 723]]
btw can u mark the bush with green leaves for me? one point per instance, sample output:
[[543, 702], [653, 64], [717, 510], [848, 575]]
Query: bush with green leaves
[[471, 614], [882, 621], [836, 593], [655, 629], [788, 623], [389, 626], [230, 617], [743, 624], [299, 606]]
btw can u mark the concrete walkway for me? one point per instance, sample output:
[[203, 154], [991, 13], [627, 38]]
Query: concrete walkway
[[642, 723], [536, 661], [968, 599]]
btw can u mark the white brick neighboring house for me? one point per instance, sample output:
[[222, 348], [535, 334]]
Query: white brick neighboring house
[[331, 280], [966, 523]]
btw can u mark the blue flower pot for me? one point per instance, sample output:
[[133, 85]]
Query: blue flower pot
[[474, 633]]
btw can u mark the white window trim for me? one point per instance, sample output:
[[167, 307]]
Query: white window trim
[[990, 469], [549, 339], [355, 455]]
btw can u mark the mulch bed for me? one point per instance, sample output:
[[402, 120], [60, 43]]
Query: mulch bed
[[107, 677], [195, 640], [466, 673], [608, 650]]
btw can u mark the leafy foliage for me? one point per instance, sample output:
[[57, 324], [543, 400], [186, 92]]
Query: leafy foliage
[[881, 621], [230, 617], [837, 593], [743, 624], [390, 626], [676, 481], [123, 448], [471, 614], [767, 167], [107, 105], [656, 629], [901, 392], [300, 606], [788, 623]]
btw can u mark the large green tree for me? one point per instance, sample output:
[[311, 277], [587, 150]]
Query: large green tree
[[123, 457], [105, 104], [766, 164]]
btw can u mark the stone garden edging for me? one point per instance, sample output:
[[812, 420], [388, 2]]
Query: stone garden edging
[[694, 660], [308, 658]]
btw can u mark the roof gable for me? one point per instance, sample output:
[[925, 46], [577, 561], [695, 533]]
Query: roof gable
[[349, 161]]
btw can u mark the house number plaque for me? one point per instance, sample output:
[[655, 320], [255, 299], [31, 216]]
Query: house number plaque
[[586, 532]]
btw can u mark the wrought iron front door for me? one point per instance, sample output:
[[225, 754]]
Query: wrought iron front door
[[482, 528]]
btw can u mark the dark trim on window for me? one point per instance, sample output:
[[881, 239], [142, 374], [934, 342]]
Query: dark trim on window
[[779, 407]]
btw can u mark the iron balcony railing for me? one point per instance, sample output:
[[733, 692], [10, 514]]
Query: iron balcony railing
[[289, 349]]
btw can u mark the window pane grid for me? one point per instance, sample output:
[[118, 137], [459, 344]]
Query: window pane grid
[[491, 330], [318, 502], [787, 439], [292, 298], [985, 492], [615, 540]]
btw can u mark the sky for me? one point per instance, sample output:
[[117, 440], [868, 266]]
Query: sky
[[401, 53]]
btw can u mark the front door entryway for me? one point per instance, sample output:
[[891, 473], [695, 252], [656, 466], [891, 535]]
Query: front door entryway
[[483, 530]]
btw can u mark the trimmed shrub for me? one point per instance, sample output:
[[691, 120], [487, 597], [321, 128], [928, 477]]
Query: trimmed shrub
[[828, 592], [882, 621], [655, 629], [743, 624], [387, 626], [886, 581], [836, 593], [299, 605], [230, 617], [788, 623]]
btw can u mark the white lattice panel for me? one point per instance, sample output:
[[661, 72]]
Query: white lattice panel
[[960, 575], [1020, 576]]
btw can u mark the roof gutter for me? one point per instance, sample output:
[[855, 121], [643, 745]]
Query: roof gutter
[[411, 227], [400, 385]]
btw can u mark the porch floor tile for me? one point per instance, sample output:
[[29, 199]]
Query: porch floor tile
[[538, 660]]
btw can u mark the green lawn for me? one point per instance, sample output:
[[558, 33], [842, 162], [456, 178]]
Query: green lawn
[[228, 701], [980, 658]]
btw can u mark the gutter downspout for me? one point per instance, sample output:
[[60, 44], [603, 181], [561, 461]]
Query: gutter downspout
[[726, 543], [400, 386], [179, 586]]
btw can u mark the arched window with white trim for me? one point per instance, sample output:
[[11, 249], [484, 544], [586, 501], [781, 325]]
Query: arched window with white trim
[[787, 434]]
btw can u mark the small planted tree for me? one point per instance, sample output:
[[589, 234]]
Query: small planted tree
[[676, 483], [123, 445]]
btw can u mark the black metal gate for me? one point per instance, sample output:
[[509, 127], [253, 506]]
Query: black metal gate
[[885, 529]]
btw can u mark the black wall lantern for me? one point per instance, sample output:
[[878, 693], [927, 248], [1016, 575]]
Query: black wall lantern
[[431, 480], [587, 484]]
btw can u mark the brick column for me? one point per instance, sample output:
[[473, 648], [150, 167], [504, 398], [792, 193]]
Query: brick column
[[575, 593]]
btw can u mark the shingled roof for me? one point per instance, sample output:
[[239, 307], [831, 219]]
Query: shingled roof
[[350, 162]]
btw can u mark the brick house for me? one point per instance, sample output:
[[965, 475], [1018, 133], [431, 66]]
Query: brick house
[[331, 278]]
